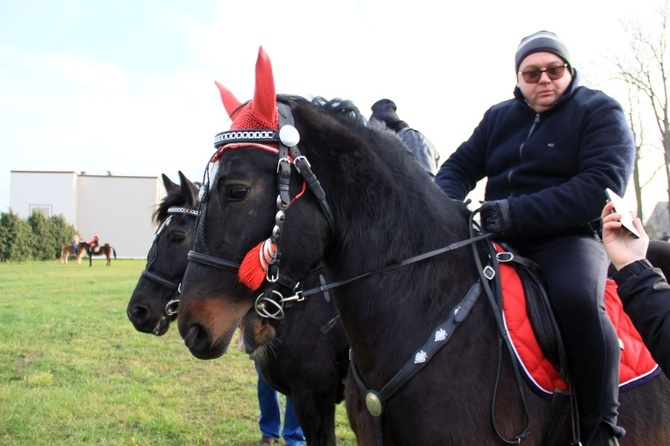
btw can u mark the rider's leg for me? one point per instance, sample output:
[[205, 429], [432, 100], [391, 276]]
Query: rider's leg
[[575, 270]]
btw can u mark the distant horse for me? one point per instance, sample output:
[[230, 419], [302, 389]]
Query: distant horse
[[67, 250], [313, 184], [101, 250], [303, 354]]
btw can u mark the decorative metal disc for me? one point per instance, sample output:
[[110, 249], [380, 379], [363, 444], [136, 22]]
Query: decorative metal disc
[[289, 135], [373, 403]]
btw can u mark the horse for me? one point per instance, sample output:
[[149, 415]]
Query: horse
[[67, 250], [299, 183], [302, 354], [104, 250]]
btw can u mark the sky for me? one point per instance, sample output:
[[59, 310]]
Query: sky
[[127, 86]]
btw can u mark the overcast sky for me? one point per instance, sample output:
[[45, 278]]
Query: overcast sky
[[127, 86]]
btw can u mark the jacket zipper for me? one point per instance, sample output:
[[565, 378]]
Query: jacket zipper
[[509, 175]]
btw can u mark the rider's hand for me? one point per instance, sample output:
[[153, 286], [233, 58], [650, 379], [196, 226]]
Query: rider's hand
[[496, 216], [621, 246]]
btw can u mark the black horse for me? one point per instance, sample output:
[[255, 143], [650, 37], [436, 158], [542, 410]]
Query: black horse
[[398, 256], [153, 303], [104, 250], [302, 355]]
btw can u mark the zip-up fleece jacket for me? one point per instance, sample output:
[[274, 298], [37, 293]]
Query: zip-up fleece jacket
[[552, 167]]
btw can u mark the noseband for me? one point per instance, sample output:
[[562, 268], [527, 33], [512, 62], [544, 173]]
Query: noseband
[[171, 306], [270, 303]]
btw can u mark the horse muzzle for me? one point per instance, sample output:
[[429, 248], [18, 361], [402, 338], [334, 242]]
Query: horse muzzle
[[199, 341]]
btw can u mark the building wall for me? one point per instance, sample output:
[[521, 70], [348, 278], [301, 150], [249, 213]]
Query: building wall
[[52, 193], [118, 208]]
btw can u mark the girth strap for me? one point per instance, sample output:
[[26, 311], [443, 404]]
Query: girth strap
[[375, 401]]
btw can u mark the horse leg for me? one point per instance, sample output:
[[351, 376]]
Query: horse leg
[[316, 413]]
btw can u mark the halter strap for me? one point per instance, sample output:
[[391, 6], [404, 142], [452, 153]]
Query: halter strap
[[173, 210], [158, 279]]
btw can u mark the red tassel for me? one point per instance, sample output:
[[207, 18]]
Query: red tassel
[[254, 266]]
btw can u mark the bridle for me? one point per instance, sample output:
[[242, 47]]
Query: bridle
[[171, 307], [270, 303]]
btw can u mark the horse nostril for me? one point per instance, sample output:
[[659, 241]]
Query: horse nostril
[[197, 338], [138, 314]]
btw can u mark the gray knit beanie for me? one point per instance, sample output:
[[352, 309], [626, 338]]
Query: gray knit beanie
[[542, 41]]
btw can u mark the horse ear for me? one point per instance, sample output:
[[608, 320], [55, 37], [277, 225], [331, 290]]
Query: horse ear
[[169, 185], [229, 100], [188, 190], [265, 97]]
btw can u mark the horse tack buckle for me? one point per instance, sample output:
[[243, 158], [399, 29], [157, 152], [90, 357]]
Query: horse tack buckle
[[504, 257], [489, 272], [297, 294]]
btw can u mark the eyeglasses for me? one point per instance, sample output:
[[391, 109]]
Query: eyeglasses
[[554, 73]]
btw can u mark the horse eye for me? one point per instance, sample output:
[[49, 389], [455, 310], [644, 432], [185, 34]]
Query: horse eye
[[177, 237], [237, 193]]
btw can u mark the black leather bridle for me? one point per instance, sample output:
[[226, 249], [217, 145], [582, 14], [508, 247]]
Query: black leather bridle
[[171, 307]]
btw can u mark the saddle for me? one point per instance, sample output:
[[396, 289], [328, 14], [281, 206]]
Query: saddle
[[95, 249], [536, 340], [535, 336]]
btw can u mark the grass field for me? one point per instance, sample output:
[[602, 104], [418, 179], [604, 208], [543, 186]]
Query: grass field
[[73, 370]]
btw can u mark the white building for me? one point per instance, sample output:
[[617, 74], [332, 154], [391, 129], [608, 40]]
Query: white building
[[118, 208]]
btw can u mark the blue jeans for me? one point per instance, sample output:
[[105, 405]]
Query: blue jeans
[[270, 419]]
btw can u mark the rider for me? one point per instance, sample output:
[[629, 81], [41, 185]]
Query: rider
[[548, 155], [75, 244], [94, 241], [385, 110]]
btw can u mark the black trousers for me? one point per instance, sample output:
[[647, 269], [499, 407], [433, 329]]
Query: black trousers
[[575, 269]]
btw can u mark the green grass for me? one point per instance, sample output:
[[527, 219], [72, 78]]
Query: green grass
[[73, 370]]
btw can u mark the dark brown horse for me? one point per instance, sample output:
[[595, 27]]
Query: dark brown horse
[[104, 250], [302, 354], [398, 258]]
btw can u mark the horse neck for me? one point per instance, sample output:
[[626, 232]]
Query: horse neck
[[385, 229]]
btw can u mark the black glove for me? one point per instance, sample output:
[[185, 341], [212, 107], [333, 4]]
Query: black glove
[[495, 216]]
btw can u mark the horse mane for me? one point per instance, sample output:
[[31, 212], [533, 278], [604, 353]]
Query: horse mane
[[336, 127]]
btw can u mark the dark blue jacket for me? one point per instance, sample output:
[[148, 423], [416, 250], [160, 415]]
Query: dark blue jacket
[[646, 299], [552, 167]]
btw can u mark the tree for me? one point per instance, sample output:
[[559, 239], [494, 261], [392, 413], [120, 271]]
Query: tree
[[16, 238], [50, 235], [646, 71]]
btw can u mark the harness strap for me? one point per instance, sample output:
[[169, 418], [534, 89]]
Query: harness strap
[[158, 279], [208, 260], [496, 306], [304, 168], [374, 400], [325, 287]]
